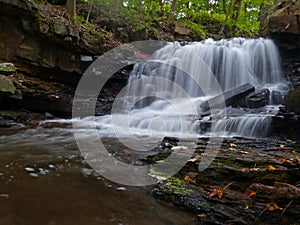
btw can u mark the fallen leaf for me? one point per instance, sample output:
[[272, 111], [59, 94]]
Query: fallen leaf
[[283, 160], [56, 96], [271, 168], [294, 160], [202, 215], [232, 149], [291, 141], [222, 150], [243, 152], [247, 170], [216, 192], [232, 145], [273, 206], [198, 157], [250, 193], [127, 152], [188, 179]]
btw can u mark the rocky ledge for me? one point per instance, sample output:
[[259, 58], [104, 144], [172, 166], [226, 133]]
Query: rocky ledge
[[249, 182]]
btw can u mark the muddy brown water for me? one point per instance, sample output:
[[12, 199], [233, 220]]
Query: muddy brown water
[[44, 180]]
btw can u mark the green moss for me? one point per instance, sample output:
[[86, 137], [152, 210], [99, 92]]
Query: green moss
[[176, 186]]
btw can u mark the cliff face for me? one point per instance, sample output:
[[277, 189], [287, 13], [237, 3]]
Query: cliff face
[[282, 23], [41, 39]]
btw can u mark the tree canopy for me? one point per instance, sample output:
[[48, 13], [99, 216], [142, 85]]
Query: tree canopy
[[234, 16]]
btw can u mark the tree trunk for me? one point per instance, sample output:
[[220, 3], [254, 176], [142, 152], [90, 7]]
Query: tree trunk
[[116, 4], [236, 9], [89, 13], [224, 6], [71, 8], [173, 7]]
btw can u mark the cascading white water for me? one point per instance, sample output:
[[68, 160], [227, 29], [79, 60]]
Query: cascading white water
[[163, 94]]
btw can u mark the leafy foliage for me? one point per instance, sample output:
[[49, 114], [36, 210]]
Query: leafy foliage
[[227, 18]]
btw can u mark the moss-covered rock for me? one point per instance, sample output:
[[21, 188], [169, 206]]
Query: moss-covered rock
[[292, 100], [7, 68], [6, 85]]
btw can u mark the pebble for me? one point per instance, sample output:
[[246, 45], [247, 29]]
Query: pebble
[[34, 174], [51, 166], [29, 169], [4, 196], [121, 188]]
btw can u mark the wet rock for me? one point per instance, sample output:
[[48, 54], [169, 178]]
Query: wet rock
[[222, 194], [292, 100], [259, 98], [7, 68]]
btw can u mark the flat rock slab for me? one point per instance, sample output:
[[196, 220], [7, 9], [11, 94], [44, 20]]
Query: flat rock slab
[[227, 98]]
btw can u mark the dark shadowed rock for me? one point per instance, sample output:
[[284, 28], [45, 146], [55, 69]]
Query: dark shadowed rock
[[292, 100], [258, 99]]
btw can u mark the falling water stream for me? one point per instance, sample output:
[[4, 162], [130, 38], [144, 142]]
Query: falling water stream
[[45, 180], [163, 100]]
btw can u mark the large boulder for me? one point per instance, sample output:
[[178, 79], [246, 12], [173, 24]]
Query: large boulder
[[292, 100], [44, 42], [282, 23]]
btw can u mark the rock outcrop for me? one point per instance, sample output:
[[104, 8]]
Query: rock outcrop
[[41, 40], [282, 23], [292, 100]]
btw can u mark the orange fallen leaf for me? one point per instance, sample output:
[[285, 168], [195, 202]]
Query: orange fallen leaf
[[222, 150], [283, 160], [216, 192], [127, 152], [273, 206], [188, 179], [271, 168], [250, 193], [294, 160]]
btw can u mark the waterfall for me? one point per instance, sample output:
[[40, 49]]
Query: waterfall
[[161, 99]]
